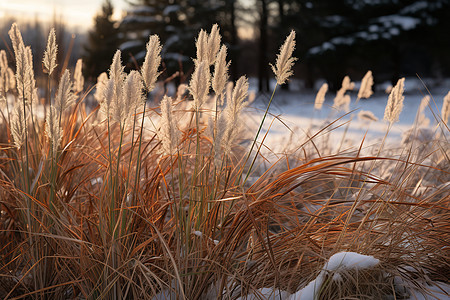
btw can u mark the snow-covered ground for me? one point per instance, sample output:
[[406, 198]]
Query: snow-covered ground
[[295, 115]]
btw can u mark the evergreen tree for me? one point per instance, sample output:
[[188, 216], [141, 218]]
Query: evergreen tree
[[391, 38], [102, 43], [177, 22]]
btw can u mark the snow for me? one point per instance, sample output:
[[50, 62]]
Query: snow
[[337, 262], [130, 44], [427, 291], [296, 116], [171, 9], [415, 7], [350, 261], [405, 22]]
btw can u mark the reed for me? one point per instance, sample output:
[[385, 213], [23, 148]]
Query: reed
[[105, 206]]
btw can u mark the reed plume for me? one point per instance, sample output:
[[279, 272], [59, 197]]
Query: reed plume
[[132, 93], [18, 128], [213, 44], [16, 38], [199, 84], [232, 112], [181, 91], [395, 102], [49, 60], [365, 91], [102, 79], [151, 63], [366, 115], [422, 119], [64, 96], [342, 101], [202, 47], [285, 61], [107, 97], [78, 77], [220, 76], [26, 84], [168, 132], [30, 82], [53, 128], [320, 97], [446, 108], [7, 77]]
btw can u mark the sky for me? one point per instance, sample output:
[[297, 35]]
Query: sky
[[77, 13]]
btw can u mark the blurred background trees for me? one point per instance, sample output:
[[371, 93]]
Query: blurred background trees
[[102, 42], [393, 38]]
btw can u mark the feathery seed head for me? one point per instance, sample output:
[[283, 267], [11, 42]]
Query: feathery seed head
[[181, 91], [26, 84], [232, 112], [107, 97], [64, 96], [132, 91], [18, 129], [3, 60], [116, 69], [341, 100], [422, 120], [168, 132], [11, 79], [100, 87], [53, 129], [16, 38], [202, 47], [213, 44], [395, 102], [365, 91], [220, 77], [320, 97], [285, 61], [424, 103], [366, 115], [78, 76], [5, 74], [50, 53], [446, 108], [151, 63], [199, 84]]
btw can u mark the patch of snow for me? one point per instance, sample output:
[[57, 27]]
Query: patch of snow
[[350, 261], [423, 291], [339, 261], [415, 7], [175, 56], [171, 9], [130, 44], [405, 22], [172, 40]]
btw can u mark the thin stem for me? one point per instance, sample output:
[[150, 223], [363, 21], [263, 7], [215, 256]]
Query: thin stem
[[255, 139]]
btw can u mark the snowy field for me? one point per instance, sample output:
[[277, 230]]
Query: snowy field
[[295, 115]]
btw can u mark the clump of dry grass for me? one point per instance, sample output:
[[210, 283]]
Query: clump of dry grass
[[112, 208]]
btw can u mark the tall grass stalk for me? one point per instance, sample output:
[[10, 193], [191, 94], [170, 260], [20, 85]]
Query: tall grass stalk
[[75, 223]]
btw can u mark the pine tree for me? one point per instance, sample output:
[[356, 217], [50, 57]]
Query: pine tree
[[177, 22], [102, 43]]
